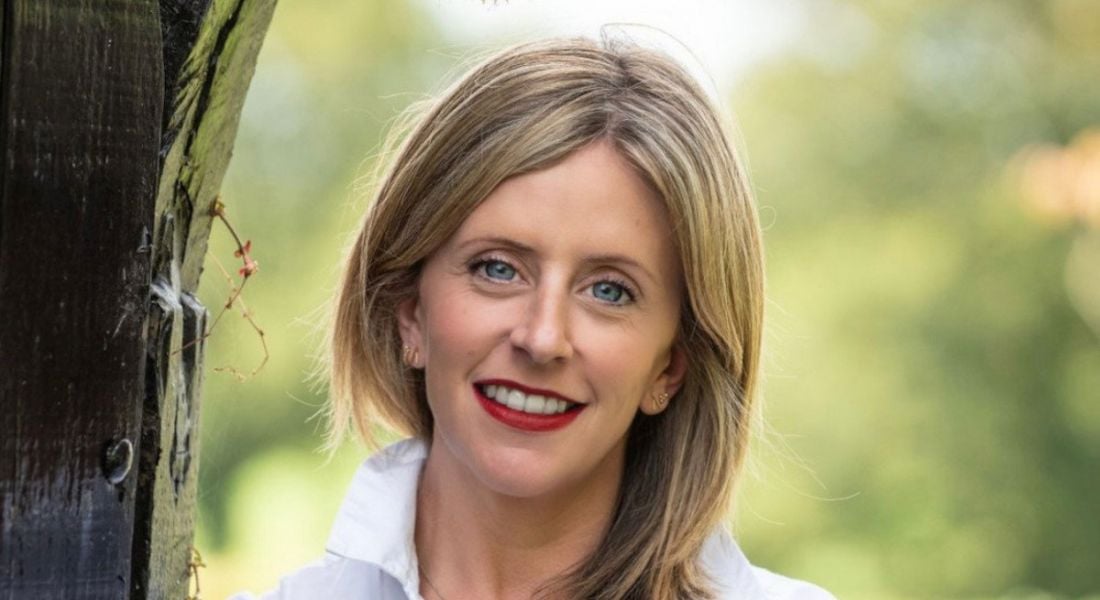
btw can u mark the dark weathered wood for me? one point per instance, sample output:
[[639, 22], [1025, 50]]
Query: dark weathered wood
[[81, 116], [109, 174]]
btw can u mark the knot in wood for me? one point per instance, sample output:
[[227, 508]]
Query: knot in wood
[[118, 458]]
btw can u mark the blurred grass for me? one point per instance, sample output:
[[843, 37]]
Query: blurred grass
[[932, 393]]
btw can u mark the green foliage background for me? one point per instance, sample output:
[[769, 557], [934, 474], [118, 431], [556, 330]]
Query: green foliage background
[[932, 394]]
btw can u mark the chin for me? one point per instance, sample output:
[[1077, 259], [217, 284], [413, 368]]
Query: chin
[[526, 466], [518, 472]]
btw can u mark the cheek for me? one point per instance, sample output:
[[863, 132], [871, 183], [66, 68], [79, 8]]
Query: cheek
[[460, 327], [623, 363]]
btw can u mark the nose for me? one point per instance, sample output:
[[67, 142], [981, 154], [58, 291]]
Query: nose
[[543, 332]]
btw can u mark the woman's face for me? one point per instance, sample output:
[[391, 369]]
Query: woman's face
[[560, 291]]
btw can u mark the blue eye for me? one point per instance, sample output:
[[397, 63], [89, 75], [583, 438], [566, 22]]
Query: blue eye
[[497, 269], [611, 292]]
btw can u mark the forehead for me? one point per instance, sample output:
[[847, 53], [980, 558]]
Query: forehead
[[592, 202]]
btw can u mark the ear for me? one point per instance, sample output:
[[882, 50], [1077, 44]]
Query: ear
[[410, 324], [668, 381]]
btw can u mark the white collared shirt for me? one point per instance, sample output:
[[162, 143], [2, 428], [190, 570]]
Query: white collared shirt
[[370, 553]]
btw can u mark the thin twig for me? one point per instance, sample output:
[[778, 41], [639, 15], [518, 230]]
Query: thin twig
[[193, 566], [250, 268]]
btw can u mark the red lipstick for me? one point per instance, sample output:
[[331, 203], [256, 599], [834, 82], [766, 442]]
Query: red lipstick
[[522, 420]]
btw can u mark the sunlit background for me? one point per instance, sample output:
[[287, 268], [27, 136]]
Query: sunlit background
[[930, 190]]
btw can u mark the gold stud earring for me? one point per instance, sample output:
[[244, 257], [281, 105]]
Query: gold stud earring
[[661, 399], [409, 356]]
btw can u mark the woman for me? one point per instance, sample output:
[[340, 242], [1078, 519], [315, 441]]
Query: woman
[[557, 293]]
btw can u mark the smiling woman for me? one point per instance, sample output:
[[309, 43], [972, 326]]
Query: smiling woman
[[557, 294]]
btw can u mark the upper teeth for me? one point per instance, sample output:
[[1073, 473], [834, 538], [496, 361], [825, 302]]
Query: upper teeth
[[528, 403]]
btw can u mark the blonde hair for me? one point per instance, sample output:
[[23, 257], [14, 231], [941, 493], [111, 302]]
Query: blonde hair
[[522, 110]]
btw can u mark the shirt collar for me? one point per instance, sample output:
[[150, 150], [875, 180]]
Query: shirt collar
[[729, 569], [377, 521]]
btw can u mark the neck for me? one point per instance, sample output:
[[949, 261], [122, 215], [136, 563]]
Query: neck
[[473, 542]]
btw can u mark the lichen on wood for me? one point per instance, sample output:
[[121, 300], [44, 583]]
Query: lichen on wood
[[201, 120]]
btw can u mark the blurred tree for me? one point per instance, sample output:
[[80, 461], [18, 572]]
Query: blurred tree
[[940, 360]]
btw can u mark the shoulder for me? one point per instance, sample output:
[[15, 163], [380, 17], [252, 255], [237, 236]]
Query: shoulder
[[333, 578], [734, 577]]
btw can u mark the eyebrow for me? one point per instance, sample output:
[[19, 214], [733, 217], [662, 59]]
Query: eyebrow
[[501, 241], [605, 258], [621, 260]]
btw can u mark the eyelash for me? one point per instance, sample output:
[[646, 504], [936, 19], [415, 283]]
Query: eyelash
[[477, 268]]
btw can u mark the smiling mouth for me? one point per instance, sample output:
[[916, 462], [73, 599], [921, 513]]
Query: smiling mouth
[[525, 409], [532, 404]]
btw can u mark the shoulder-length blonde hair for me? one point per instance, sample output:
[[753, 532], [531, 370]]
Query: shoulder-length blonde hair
[[522, 110]]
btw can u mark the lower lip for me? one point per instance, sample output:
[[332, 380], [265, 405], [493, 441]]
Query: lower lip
[[526, 421]]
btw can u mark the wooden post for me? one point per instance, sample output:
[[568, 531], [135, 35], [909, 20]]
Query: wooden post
[[117, 126]]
